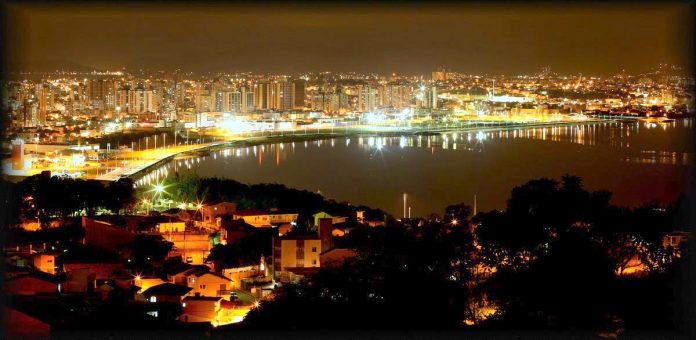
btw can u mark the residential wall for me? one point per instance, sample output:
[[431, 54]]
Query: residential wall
[[167, 227], [30, 286], [208, 285], [45, 263], [291, 253], [104, 235]]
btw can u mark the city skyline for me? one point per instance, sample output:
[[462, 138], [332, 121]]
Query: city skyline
[[295, 38]]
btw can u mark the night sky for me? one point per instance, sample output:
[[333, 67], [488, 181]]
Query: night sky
[[410, 39]]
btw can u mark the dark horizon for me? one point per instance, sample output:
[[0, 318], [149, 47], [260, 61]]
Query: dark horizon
[[593, 39]]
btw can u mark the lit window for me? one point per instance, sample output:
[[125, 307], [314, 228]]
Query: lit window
[[183, 304], [153, 299]]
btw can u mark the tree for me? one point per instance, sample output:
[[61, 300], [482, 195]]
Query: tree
[[121, 195], [569, 287], [458, 214]]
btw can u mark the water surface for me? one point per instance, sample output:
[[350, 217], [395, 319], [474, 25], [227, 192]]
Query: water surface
[[636, 161]]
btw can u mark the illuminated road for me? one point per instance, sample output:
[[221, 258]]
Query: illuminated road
[[141, 160]]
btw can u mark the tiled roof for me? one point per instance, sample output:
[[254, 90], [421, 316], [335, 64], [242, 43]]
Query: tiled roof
[[250, 212], [167, 289]]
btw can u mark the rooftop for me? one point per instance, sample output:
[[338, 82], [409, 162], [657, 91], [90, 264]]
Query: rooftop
[[250, 212], [167, 289], [203, 298]]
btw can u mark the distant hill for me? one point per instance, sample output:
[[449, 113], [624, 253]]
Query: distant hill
[[49, 65]]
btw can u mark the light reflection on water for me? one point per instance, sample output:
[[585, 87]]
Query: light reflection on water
[[632, 142]]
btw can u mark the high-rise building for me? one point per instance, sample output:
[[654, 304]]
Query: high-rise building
[[30, 113], [299, 92], [141, 100], [427, 97], [395, 96], [121, 99], [231, 101], [440, 75], [44, 96], [204, 102], [261, 95], [247, 99], [366, 98], [102, 93], [285, 95]]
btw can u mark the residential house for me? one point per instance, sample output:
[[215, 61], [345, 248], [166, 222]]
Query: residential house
[[254, 217], [234, 230], [147, 282], [46, 262], [209, 284], [238, 274], [209, 213], [193, 246], [202, 281], [175, 226], [200, 309], [82, 276], [295, 251], [33, 283], [180, 274], [322, 214], [166, 293], [277, 219], [295, 256], [232, 312]]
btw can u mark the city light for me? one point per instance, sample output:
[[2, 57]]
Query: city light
[[341, 170]]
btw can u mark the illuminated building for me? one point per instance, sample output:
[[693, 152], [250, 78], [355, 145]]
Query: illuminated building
[[284, 95], [45, 262], [204, 101], [17, 158], [209, 213], [439, 75], [297, 255], [229, 101], [45, 100], [366, 98], [192, 246], [294, 252], [299, 92], [200, 309], [261, 97], [102, 94]]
